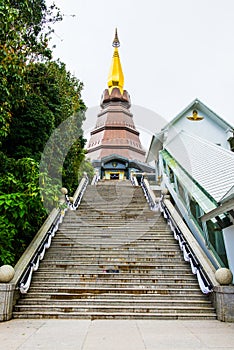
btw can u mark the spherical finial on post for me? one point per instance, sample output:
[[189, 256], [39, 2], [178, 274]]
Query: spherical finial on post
[[7, 272], [223, 276], [116, 42], [64, 190]]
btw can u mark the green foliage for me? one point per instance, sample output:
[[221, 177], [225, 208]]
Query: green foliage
[[33, 121], [12, 64], [21, 207], [86, 167], [53, 96], [24, 36], [37, 96]]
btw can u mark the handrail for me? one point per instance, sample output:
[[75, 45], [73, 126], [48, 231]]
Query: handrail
[[199, 266], [78, 194], [30, 260], [95, 179], [33, 265], [133, 179], [149, 194]]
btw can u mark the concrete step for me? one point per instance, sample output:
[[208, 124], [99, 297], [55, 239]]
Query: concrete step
[[88, 266], [182, 296], [161, 290], [56, 247], [114, 315], [104, 284], [134, 245], [114, 256], [114, 278], [114, 227], [80, 303], [127, 259], [73, 308], [140, 275]]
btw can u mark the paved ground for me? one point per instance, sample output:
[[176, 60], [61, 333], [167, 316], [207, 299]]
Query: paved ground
[[116, 334]]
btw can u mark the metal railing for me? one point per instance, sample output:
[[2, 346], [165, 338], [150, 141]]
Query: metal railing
[[45, 237], [149, 194], [95, 179], [189, 256], [33, 265], [78, 194], [133, 179]]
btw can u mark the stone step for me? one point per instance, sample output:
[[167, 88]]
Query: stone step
[[80, 246], [120, 232], [127, 239], [128, 258], [110, 241], [182, 296], [88, 251], [113, 285], [114, 227], [107, 214], [94, 266], [114, 278], [55, 247], [88, 268], [120, 224], [151, 274], [134, 245], [121, 315], [137, 220], [69, 308], [105, 202], [114, 315], [97, 256], [116, 302], [164, 290]]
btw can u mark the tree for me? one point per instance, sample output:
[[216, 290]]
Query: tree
[[37, 96], [53, 96], [21, 207], [24, 36]]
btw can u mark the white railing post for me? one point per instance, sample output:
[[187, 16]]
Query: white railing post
[[149, 193]]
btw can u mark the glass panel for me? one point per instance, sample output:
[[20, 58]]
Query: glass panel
[[195, 211], [171, 175], [216, 240], [181, 191]]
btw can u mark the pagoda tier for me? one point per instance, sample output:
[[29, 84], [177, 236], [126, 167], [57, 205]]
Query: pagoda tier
[[115, 132]]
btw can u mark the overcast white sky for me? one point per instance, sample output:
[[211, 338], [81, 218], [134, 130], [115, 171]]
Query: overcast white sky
[[172, 51]]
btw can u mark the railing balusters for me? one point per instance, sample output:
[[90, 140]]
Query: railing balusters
[[25, 280], [149, 195], [204, 283]]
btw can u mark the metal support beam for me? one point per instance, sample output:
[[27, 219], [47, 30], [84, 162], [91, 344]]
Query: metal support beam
[[223, 208]]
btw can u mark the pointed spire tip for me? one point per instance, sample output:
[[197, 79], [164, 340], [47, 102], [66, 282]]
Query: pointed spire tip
[[116, 42]]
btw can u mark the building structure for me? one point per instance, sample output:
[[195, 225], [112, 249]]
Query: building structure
[[115, 148], [194, 160]]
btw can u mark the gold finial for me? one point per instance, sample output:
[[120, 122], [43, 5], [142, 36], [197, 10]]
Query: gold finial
[[195, 116], [116, 77]]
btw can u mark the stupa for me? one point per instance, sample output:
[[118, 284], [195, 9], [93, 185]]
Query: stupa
[[115, 147]]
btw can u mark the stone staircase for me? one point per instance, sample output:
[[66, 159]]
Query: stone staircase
[[114, 258]]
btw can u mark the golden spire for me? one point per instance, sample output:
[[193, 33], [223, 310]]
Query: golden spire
[[116, 77]]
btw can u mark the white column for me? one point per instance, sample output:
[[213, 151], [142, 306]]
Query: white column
[[228, 236]]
